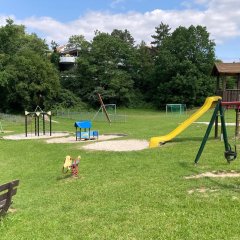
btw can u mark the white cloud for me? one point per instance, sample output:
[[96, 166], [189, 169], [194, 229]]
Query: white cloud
[[115, 3], [221, 17]]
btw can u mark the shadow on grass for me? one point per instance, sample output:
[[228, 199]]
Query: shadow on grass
[[66, 176], [193, 139]]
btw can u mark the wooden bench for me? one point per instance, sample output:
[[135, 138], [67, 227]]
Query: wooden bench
[[7, 190]]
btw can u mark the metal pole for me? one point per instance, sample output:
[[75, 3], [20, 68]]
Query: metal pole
[[26, 125], [50, 124], [38, 125], [43, 115], [216, 127], [35, 124], [224, 130], [207, 132]]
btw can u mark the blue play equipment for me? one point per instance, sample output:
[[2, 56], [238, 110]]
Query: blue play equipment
[[87, 134]]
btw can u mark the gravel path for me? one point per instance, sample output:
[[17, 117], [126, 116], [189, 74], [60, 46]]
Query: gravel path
[[118, 145], [102, 144], [32, 136], [72, 139]]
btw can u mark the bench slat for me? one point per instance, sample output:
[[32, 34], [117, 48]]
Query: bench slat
[[5, 195], [7, 185], [7, 190], [2, 203]]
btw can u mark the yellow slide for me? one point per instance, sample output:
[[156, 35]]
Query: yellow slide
[[156, 141]]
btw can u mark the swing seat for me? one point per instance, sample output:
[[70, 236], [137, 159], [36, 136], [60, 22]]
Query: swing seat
[[230, 155]]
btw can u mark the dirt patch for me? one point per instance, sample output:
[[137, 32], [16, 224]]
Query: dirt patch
[[207, 123], [202, 190], [32, 136], [215, 174], [118, 145]]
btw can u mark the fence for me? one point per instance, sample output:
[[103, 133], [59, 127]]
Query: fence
[[90, 115], [12, 118]]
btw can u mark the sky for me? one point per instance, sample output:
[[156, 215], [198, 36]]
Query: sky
[[58, 20]]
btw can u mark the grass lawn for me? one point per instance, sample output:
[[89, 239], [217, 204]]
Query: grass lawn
[[122, 195]]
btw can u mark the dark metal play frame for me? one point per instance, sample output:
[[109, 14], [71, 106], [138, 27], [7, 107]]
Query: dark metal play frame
[[37, 115], [229, 154]]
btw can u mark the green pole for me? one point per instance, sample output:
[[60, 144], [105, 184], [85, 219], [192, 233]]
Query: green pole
[[207, 132], [224, 130], [229, 154]]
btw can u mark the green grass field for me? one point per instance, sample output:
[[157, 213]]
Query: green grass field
[[122, 195]]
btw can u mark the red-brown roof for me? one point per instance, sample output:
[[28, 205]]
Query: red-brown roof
[[228, 69]]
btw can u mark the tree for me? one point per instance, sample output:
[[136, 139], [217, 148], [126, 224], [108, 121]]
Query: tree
[[162, 31], [105, 68], [78, 41], [55, 55], [27, 78], [31, 81], [143, 71], [183, 67], [123, 35]]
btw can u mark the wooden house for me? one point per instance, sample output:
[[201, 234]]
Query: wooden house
[[222, 71]]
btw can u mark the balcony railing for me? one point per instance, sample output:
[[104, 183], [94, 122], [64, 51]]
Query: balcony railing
[[67, 60]]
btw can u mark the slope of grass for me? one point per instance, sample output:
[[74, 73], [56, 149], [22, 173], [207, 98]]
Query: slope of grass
[[121, 195]]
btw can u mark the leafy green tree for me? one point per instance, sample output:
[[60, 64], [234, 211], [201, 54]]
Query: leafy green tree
[[161, 32], [27, 78], [32, 81], [54, 55], [78, 41], [123, 35], [143, 71], [105, 68], [183, 67]]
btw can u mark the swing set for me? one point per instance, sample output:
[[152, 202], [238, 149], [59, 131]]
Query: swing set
[[229, 154], [36, 115]]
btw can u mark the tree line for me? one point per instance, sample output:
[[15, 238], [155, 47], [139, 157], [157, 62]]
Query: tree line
[[175, 68]]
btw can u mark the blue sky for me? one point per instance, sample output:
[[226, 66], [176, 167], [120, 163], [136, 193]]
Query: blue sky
[[58, 20]]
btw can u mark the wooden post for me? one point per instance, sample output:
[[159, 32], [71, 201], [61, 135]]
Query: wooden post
[[238, 83], [224, 83], [103, 107], [218, 83], [237, 121]]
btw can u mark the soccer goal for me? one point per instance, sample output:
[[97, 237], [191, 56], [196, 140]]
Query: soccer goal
[[176, 108]]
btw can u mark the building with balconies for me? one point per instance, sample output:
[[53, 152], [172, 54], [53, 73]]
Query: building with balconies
[[68, 56]]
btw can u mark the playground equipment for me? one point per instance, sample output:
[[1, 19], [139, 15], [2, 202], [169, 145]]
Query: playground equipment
[[231, 105], [36, 115], [156, 141], [229, 154], [70, 164], [175, 108], [102, 108], [86, 135]]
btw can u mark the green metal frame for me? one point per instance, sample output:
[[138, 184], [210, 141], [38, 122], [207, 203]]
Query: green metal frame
[[229, 154]]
